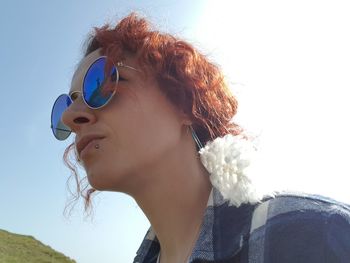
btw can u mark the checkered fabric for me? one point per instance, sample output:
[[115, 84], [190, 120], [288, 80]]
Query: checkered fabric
[[289, 228]]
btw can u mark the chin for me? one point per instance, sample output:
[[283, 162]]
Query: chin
[[103, 182], [96, 181]]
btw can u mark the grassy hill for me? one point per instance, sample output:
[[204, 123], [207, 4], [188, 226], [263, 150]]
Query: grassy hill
[[16, 248]]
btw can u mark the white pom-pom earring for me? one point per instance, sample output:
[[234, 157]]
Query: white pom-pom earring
[[229, 160]]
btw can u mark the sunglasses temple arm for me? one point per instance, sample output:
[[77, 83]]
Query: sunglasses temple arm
[[126, 66]]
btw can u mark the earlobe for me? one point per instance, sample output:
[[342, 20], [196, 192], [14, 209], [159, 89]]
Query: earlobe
[[187, 122], [185, 119]]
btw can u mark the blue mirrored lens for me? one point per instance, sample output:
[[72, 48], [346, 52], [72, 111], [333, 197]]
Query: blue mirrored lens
[[60, 130], [99, 83]]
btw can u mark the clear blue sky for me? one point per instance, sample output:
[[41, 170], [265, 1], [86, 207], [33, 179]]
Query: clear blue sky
[[41, 43], [291, 60]]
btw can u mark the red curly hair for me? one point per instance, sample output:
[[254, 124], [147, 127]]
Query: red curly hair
[[188, 79]]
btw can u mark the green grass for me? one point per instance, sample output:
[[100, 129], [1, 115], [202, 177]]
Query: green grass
[[16, 248]]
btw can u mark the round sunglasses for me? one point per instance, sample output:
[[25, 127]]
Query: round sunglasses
[[99, 86]]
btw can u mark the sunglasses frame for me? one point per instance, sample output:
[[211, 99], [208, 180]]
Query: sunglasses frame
[[69, 95]]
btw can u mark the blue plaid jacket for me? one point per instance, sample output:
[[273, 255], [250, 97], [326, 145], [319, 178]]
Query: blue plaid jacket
[[289, 228]]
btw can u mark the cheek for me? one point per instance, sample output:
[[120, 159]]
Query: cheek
[[151, 137], [143, 139], [143, 129]]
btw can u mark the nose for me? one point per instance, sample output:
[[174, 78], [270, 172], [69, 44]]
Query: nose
[[78, 115]]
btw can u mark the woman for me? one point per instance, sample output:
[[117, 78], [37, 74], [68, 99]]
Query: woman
[[142, 104]]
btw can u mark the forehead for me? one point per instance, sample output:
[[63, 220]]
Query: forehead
[[81, 70]]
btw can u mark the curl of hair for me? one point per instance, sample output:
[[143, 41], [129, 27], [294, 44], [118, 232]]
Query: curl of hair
[[188, 79]]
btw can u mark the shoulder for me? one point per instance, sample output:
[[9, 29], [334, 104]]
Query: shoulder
[[300, 204], [289, 208], [307, 227]]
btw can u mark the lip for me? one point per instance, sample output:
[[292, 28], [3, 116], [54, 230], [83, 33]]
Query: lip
[[85, 141]]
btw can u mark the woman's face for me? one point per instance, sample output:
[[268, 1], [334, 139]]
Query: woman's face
[[136, 131]]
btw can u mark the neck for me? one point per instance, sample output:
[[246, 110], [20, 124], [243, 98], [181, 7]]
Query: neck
[[175, 203]]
